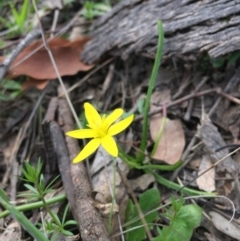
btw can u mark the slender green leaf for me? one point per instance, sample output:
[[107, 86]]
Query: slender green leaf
[[30, 206], [140, 155], [67, 233], [71, 222], [11, 85], [177, 187], [31, 188], [65, 213]]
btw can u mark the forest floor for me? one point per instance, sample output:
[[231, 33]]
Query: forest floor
[[175, 176]]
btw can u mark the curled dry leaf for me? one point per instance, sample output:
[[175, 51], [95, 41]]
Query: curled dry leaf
[[223, 225], [39, 66], [107, 208], [206, 182]]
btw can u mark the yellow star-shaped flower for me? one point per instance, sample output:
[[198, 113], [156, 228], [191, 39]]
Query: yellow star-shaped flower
[[102, 130]]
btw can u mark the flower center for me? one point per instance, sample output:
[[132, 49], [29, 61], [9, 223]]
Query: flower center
[[102, 127], [102, 132]]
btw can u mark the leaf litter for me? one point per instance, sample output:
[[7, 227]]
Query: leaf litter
[[119, 87]]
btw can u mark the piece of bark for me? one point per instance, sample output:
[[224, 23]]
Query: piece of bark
[[61, 151], [212, 141], [90, 223], [51, 111], [24, 42], [50, 167], [190, 27]]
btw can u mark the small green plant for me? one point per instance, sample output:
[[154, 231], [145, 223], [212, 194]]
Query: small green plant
[[183, 219], [92, 9], [26, 224], [38, 191], [54, 229], [9, 89], [231, 58], [19, 18], [147, 201]]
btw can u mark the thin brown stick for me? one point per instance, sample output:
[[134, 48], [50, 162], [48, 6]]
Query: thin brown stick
[[178, 101], [190, 96], [51, 110], [63, 160], [214, 165]]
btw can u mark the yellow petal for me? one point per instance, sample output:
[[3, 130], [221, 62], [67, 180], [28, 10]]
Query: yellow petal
[[112, 118], [120, 126], [81, 134], [91, 147], [109, 144], [92, 116]]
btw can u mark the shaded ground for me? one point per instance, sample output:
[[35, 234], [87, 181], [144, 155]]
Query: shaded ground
[[199, 97]]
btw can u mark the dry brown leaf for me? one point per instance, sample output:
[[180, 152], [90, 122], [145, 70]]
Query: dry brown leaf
[[142, 183], [39, 84], [206, 182], [172, 142], [39, 66]]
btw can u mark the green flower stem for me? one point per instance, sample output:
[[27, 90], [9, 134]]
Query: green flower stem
[[35, 205], [46, 206], [177, 187], [149, 169], [140, 155], [169, 229], [161, 167], [132, 163]]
